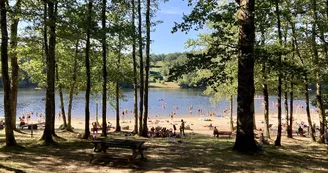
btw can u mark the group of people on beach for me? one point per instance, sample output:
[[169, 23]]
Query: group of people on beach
[[164, 132], [25, 118]]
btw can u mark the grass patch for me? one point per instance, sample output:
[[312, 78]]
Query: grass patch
[[194, 153]]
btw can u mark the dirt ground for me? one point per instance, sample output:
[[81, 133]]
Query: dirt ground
[[193, 153]]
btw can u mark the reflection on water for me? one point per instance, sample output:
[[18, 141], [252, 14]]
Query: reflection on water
[[161, 103]]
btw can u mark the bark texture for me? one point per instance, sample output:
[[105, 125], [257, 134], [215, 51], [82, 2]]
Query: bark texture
[[145, 116], [72, 89], [61, 98], [277, 142], [13, 59], [245, 135], [51, 68], [135, 80], [141, 90], [10, 138], [104, 55], [87, 65]]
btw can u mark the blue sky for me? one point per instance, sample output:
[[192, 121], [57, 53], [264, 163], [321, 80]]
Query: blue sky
[[163, 40]]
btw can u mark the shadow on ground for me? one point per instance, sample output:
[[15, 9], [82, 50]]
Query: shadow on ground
[[190, 154]]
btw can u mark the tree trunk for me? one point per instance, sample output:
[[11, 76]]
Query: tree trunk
[[278, 139], [61, 97], [135, 82], [254, 120], [10, 138], [291, 101], [118, 126], [104, 55], [231, 113], [145, 116], [51, 65], [71, 92], [13, 58], [286, 105], [141, 90], [325, 52], [245, 135], [266, 101], [286, 84], [87, 65], [306, 92], [53, 34], [265, 90], [317, 68]]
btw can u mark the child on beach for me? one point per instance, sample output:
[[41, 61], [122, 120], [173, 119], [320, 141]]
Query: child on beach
[[216, 132]]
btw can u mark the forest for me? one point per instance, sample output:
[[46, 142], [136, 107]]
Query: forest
[[273, 48]]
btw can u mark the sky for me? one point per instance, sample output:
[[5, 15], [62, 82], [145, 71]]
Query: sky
[[163, 41]]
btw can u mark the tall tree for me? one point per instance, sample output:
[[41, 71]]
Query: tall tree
[[231, 113], [61, 98], [245, 99], [87, 65], [51, 65], [278, 139], [10, 138], [135, 81], [14, 18], [265, 89], [286, 83], [72, 88], [317, 67], [305, 80], [104, 55], [141, 89], [118, 127], [145, 116]]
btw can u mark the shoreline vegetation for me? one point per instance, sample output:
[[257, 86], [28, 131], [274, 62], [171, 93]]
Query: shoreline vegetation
[[164, 85]]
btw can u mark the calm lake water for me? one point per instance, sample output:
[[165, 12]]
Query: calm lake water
[[161, 103]]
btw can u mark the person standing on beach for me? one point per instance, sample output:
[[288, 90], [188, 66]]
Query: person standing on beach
[[182, 127]]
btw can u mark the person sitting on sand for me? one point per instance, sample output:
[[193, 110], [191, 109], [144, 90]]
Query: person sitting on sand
[[1, 124], [95, 127], [22, 121], [263, 140], [152, 132], [324, 137], [300, 131], [109, 126], [210, 126], [216, 132], [174, 129]]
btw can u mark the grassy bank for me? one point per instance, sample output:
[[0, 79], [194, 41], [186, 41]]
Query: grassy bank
[[194, 153], [164, 85]]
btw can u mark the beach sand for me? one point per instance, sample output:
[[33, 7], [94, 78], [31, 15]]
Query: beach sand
[[197, 123]]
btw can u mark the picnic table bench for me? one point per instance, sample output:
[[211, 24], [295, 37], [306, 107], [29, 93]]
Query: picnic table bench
[[31, 126], [100, 146], [227, 133]]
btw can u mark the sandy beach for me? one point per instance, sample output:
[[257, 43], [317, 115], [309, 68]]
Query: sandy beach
[[198, 123]]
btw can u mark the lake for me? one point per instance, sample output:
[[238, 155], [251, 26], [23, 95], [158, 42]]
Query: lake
[[161, 103]]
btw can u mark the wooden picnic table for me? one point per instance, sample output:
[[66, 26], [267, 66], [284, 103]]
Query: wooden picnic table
[[100, 146]]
